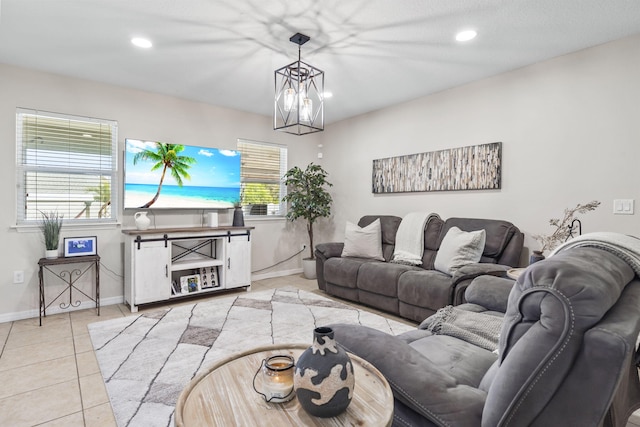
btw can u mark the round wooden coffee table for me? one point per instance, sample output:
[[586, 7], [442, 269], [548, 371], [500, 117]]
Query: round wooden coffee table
[[224, 396]]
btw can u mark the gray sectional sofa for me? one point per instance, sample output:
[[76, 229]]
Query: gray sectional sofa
[[415, 292], [565, 350]]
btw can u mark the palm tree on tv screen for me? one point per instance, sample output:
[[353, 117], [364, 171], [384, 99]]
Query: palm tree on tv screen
[[166, 157]]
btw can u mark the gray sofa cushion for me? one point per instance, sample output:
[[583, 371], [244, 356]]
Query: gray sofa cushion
[[418, 381], [343, 271], [382, 277], [425, 288]]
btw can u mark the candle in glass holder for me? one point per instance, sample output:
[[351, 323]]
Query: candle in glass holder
[[277, 379]]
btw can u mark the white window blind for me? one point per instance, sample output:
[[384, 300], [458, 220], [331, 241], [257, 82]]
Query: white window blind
[[66, 164], [262, 167]]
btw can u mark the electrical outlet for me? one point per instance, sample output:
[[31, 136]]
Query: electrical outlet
[[18, 276]]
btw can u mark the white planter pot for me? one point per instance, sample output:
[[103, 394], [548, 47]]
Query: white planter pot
[[309, 268], [51, 253]]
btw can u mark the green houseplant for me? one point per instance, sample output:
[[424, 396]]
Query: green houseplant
[[50, 224], [308, 198]]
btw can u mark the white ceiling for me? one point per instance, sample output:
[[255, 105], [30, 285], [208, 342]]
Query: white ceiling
[[375, 53]]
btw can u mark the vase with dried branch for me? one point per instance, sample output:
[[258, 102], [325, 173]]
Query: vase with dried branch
[[563, 227]]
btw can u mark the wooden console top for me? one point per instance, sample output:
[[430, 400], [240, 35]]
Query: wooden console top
[[135, 231]]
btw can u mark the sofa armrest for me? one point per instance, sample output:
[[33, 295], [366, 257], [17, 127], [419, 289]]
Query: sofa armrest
[[415, 380], [329, 250], [463, 277], [323, 252], [490, 292]]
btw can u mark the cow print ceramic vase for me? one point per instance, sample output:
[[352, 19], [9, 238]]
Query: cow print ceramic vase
[[323, 378]]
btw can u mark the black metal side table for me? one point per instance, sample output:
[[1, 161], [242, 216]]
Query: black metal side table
[[69, 277]]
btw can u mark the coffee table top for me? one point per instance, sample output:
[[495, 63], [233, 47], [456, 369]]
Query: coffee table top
[[224, 396]]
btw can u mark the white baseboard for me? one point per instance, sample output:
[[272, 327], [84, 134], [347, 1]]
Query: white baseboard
[[276, 274], [55, 309]]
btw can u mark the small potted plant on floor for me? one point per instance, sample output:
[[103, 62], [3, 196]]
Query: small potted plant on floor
[[309, 199], [50, 224]]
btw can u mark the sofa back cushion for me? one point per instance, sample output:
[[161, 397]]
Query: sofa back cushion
[[389, 225], [500, 236]]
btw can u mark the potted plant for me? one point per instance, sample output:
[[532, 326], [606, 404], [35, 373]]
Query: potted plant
[[50, 224], [309, 199]]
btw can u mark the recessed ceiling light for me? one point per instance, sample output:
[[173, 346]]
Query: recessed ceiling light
[[141, 42], [465, 36]]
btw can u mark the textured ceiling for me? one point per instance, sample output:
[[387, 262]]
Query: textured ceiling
[[375, 53]]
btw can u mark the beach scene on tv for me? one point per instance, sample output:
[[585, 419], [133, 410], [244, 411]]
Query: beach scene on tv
[[163, 175]]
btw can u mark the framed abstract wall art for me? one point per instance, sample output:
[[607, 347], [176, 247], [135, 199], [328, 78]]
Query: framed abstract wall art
[[476, 167]]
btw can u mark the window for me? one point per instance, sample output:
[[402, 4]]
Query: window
[[262, 167], [65, 164]]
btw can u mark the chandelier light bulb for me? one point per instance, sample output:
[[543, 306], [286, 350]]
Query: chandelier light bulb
[[289, 99]]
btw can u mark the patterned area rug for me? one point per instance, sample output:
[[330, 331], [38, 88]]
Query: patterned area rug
[[147, 360]]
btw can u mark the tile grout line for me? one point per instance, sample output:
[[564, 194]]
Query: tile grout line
[[75, 357], [4, 344]]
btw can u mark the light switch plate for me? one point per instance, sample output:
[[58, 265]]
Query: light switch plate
[[623, 206]]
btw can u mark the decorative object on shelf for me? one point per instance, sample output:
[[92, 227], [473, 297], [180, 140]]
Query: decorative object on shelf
[[142, 220], [299, 99], [565, 228], [80, 246], [50, 224], [477, 167], [277, 379], [209, 277], [238, 215], [212, 219], [323, 377], [190, 283], [175, 288], [308, 198], [535, 257]]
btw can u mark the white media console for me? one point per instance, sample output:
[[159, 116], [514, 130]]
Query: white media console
[[166, 263]]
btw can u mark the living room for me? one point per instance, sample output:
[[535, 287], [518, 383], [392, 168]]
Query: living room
[[568, 127]]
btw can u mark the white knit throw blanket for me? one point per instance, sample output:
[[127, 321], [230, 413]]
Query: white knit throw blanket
[[482, 330], [623, 246], [410, 238]]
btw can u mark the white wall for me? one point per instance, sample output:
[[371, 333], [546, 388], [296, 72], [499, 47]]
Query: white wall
[[140, 115], [568, 128], [570, 134]]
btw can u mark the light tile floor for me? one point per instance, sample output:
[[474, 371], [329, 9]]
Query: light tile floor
[[49, 375]]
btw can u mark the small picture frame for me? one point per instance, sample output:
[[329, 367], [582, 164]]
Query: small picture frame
[[190, 283], [80, 246], [209, 276]]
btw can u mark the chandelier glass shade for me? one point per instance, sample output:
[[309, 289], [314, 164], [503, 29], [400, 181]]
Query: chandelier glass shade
[[299, 96]]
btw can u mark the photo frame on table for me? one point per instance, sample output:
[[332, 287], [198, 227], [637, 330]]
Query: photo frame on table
[[190, 283], [80, 246]]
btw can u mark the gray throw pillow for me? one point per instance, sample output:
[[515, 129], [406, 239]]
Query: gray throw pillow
[[459, 248], [365, 242]]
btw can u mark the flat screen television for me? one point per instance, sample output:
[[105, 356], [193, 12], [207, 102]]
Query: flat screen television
[[173, 176]]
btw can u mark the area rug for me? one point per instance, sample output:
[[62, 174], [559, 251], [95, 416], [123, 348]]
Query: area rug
[[146, 360]]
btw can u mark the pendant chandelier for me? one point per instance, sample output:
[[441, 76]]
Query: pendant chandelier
[[299, 95]]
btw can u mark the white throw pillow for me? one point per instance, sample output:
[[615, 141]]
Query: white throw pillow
[[459, 248], [363, 242]]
